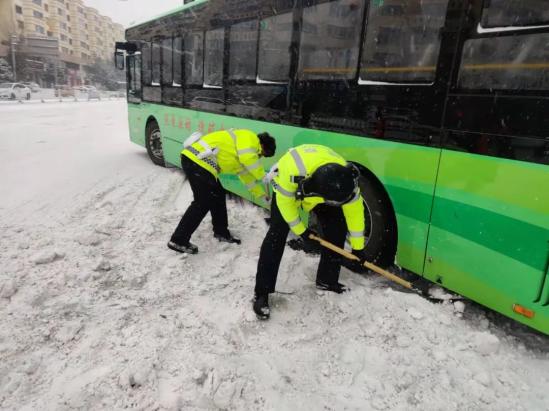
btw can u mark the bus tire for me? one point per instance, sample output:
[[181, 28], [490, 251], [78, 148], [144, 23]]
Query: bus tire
[[153, 143], [381, 228]]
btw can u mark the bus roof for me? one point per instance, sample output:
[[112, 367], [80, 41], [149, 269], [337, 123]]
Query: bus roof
[[169, 13]]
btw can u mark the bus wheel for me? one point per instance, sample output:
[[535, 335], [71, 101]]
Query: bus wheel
[[380, 222], [153, 142]]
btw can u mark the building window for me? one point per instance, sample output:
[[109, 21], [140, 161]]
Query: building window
[[40, 29], [46, 7], [68, 18], [38, 2], [65, 50], [63, 26], [19, 9], [50, 33], [63, 37], [20, 24], [37, 14], [60, 12], [70, 41], [275, 37], [330, 40]]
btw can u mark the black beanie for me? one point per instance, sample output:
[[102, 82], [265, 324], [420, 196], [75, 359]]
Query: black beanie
[[268, 144]]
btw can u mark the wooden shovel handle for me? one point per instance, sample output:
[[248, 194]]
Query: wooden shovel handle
[[366, 264]]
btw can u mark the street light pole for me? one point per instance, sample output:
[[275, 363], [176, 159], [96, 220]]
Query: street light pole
[[13, 44]]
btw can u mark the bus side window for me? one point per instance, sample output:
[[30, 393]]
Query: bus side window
[[517, 62], [156, 56], [275, 37], [167, 75], [177, 61], [330, 40], [194, 54], [146, 62], [515, 13], [243, 46], [213, 58], [402, 40]]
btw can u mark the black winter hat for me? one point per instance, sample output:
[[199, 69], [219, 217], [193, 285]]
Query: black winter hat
[[333, 182], [268, 144]]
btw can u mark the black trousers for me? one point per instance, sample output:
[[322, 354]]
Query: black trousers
[[209, 195], [334, 229]]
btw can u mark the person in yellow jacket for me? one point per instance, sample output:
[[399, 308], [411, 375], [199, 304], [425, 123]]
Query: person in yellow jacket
[[316, 179], [202, 160]]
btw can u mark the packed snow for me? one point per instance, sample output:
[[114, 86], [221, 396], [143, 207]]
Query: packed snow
[[96, 313]]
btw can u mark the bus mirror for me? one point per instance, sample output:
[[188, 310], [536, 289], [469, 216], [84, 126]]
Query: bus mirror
[[119, 60]]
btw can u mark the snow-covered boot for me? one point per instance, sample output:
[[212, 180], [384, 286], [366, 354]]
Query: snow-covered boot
[[227, 238], [336, 288], [261, 306], [188, 248]]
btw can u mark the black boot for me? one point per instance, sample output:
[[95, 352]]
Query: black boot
[[227, 238], [261, 306], [188, 248], [336, 288]]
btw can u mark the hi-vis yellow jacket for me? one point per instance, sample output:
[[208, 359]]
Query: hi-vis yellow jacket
[[303, 161], [234, 152]]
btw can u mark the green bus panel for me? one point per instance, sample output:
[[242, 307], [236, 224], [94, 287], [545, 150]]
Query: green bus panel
[[408, 172], [489, 237]]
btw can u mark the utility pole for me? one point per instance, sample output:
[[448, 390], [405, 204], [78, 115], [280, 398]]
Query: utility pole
[[13, 44]]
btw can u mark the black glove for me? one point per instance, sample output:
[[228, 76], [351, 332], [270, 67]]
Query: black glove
[[361, 254], [305, 236]]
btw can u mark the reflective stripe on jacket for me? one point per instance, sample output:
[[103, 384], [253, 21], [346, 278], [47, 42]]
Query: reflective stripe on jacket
[[233, 152], [303, 161]]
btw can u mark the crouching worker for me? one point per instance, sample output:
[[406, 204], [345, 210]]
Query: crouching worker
[[203, 159], [316, 179]]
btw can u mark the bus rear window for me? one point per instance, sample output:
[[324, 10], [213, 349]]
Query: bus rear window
[[330, 40], [505, 13], [275, 36], [402, 40], [508, 63]]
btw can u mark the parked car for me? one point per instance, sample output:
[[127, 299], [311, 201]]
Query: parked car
[[14, 91], [35, 88], [64, 91]]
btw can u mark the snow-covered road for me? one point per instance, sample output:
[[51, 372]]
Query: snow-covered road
[[97, 314]]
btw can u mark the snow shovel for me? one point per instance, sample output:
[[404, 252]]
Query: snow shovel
[[366, 264]]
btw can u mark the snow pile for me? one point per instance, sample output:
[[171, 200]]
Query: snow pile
[[96, 313]]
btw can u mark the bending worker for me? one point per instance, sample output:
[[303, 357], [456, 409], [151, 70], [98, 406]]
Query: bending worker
[[203, 159], [316, 179]]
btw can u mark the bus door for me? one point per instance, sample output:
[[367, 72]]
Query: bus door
[[133, 62], [386, 93], [489, 236]]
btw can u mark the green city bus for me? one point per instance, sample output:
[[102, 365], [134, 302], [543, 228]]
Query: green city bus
[[442, 104]]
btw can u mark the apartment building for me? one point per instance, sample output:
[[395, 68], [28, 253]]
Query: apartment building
[[65, 32]]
